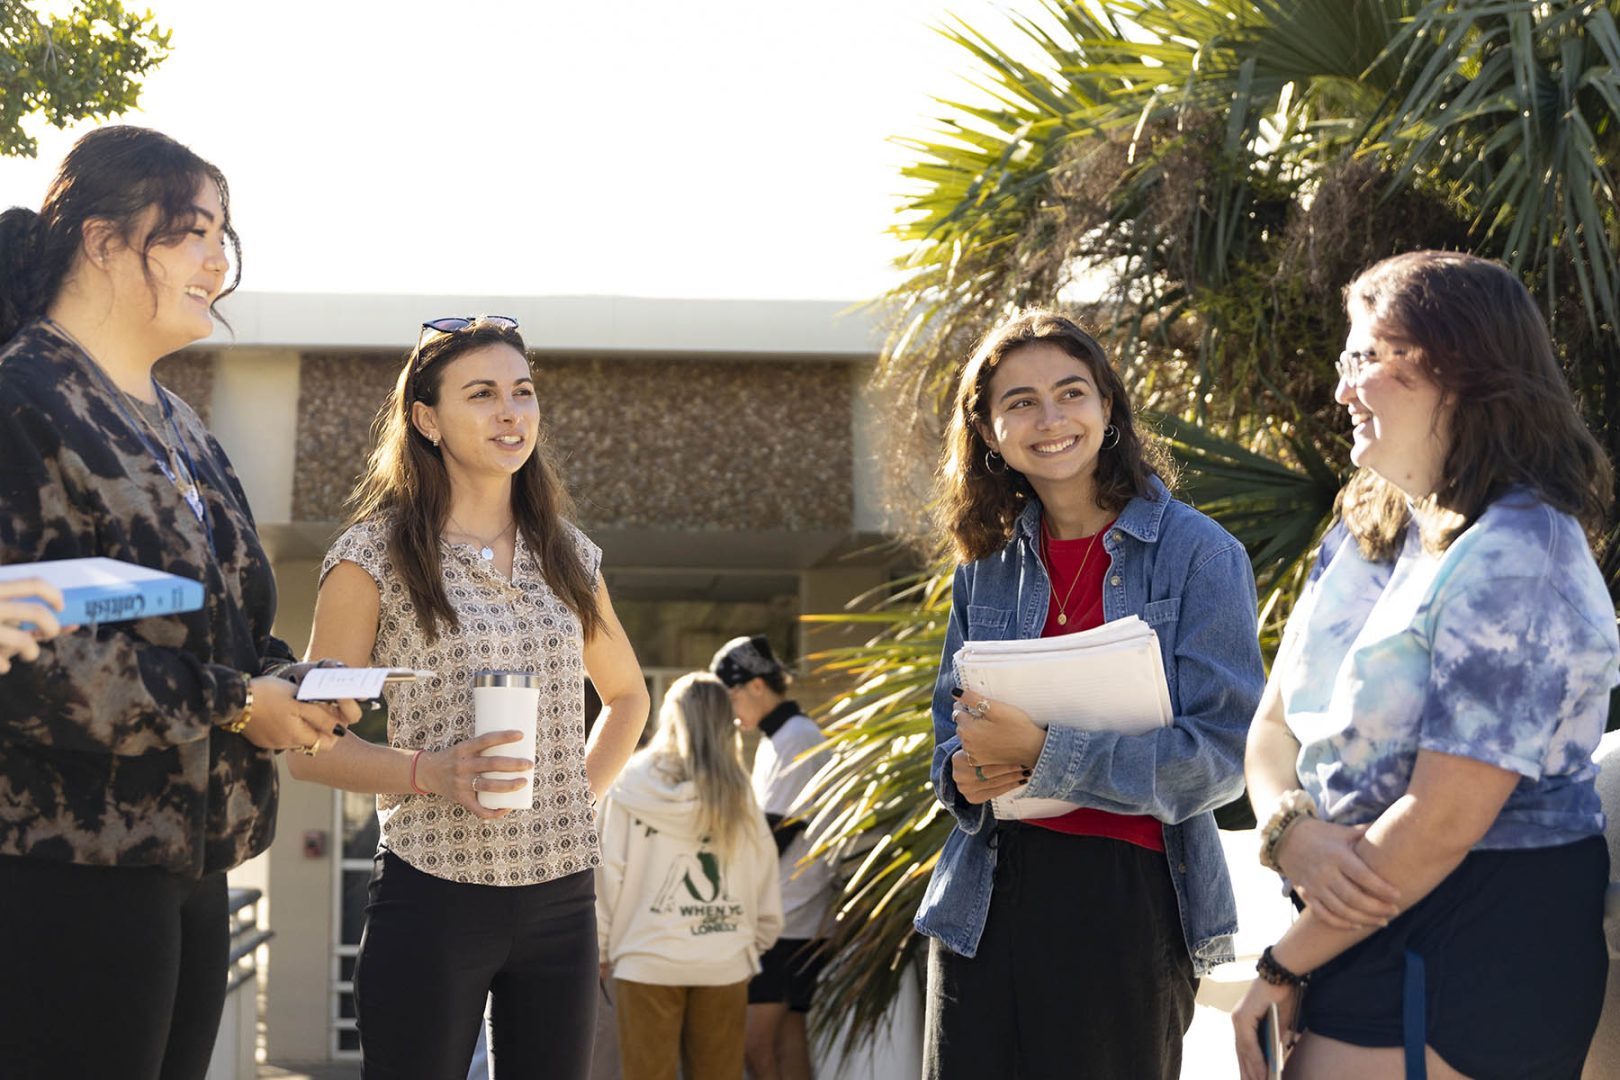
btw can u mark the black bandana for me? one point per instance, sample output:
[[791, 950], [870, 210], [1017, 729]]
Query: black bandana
[[743, 659]]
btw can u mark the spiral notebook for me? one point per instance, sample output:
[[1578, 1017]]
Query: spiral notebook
[[1110, 678]]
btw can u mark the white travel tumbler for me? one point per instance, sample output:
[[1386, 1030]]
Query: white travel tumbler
[[507, 701]]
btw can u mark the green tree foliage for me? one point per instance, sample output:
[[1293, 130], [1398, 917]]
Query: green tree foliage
[[1196, 180], [87, 64]]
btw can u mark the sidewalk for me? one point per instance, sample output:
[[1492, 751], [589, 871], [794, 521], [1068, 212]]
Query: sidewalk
[[322, 1070]]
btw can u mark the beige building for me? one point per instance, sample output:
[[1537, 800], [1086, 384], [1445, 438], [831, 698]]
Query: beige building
[[720, 452]]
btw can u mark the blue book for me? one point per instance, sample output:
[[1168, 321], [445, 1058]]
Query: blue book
[[108, 590]]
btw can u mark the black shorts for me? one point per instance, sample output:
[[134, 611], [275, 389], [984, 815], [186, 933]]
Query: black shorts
[[1514, 966], [788, 972]]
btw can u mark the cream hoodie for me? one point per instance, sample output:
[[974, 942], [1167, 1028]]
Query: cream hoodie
[[669, 910]]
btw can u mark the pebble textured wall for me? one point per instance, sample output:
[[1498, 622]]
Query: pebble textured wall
[[685, 445], [190, 376]]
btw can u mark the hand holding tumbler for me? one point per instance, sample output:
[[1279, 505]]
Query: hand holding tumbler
[[507, 701]]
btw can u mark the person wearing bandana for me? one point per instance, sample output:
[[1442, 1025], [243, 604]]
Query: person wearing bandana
[[779, 997]]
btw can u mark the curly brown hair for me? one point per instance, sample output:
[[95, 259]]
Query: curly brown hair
[[1481, 339], [978, 507]]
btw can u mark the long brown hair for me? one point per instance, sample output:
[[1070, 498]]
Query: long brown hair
[[979, 506], [697, 740], [114, 173], [406, 486], [1480, 338]]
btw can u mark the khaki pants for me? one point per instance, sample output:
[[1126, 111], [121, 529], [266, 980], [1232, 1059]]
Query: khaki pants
[[700, 1026]]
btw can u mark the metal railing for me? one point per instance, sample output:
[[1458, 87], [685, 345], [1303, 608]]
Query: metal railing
[[242, 908]]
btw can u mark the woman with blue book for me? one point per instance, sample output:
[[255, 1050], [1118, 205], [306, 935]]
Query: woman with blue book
[[136, 761], [1071, 944]]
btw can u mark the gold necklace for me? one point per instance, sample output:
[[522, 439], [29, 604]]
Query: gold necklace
[[1046, 550]]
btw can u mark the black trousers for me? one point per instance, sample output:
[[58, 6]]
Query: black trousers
[[1082, 970], [109, 971], [432, 950]]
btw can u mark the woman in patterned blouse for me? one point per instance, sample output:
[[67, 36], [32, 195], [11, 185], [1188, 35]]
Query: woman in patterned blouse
[[136, 758], [461, 558], [1426, 739]]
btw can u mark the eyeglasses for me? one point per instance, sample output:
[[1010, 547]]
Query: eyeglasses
[[1352, 363], [453, 324]]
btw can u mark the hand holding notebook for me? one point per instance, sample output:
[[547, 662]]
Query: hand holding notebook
[[1110, 678]]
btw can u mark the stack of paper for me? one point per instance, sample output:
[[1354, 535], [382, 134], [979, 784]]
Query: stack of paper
[[1110, 678]]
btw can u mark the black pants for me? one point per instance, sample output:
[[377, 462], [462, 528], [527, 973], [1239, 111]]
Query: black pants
[[109, 971], [433, 949], [1081, 972]]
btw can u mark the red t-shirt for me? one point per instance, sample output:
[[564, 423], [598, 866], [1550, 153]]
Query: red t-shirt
[[1078, 569]]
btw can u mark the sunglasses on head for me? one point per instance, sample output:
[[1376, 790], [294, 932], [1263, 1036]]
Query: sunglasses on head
[[450, 324], [454, 324]]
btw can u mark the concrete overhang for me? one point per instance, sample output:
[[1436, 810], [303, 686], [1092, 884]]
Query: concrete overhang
[[620, 325]]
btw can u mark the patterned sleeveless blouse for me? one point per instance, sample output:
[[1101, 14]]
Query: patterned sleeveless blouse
[[517, 625]]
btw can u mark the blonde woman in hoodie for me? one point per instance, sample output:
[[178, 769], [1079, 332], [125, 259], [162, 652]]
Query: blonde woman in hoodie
[[687, 896]]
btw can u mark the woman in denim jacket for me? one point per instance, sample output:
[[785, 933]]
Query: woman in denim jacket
[[1071, 945]]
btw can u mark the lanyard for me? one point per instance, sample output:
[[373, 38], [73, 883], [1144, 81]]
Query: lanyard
[[190, 488]]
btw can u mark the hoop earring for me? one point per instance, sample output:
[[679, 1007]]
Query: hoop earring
[[988, 454], [1110, 431]]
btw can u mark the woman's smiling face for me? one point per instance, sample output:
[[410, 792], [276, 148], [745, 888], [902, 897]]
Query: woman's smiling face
[[1401, 418], [1045, 415], [487, 415]]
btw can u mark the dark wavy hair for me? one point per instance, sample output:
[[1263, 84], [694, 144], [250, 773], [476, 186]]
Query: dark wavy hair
[[406, 486], [979, 507], [1481, 339], [112, 174]]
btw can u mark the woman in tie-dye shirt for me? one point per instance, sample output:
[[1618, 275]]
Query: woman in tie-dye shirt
[[1421, 762]]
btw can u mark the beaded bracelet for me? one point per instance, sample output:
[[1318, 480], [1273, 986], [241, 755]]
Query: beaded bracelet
[[1290, 807], [1274, 973]]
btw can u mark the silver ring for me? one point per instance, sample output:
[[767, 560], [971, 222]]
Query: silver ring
[[978, 711], [979, 772], [476, 777]]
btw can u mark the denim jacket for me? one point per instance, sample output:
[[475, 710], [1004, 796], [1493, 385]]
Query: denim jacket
[[1190, 580]]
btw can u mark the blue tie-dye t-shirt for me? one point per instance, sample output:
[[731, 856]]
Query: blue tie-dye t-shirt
[[1502, 649]]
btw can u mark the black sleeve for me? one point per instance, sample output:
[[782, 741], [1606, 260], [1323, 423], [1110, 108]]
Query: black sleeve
[[784, 834]]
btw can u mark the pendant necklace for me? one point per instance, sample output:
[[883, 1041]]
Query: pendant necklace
[[486, 548], [1046, 544]]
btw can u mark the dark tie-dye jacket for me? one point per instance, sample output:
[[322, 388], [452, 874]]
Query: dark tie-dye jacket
[[110, 752]]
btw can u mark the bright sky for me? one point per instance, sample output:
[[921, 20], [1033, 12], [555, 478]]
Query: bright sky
[[701, 148]]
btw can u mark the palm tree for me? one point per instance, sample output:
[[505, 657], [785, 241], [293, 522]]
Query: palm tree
[[1199, 178]]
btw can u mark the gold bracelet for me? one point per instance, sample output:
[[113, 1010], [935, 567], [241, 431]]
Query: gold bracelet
[[236, 726]]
